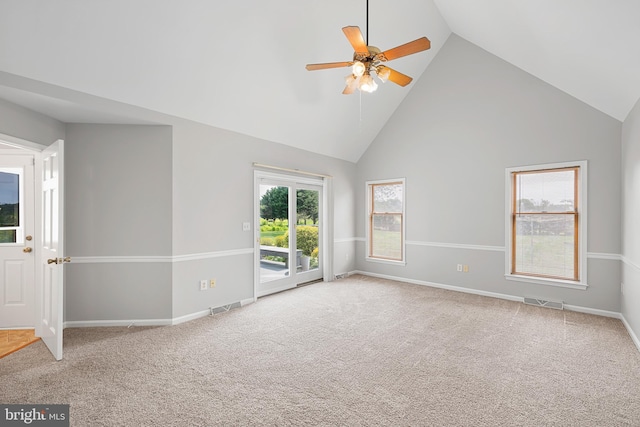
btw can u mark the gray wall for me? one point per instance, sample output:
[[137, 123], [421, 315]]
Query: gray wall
[[630, 223], [151, 210], [470, 116], [213, 195], [118, 213]]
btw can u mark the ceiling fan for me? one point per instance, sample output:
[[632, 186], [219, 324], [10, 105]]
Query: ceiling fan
[[367, 60]]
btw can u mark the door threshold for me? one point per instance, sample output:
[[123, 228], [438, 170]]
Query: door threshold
[[310, 282]]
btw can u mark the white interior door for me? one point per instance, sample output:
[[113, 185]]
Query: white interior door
[[288, 232], [17, 257], [51, 271]]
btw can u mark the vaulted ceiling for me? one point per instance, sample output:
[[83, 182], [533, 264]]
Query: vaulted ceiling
[[241, 65]]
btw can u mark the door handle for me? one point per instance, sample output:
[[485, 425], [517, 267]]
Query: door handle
[[27, 250], [52, 261]]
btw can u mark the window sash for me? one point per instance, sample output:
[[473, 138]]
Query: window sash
[[515, 214], [12, 232], [378, 249], [382, 243]]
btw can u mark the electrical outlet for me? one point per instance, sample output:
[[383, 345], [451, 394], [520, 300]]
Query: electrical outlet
[[246, 226], [212, 283], [459, 267], [203, 285]]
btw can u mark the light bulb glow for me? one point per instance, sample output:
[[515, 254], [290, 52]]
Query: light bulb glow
[[383, 73], [351, 80], [367, 84], [358, 69]]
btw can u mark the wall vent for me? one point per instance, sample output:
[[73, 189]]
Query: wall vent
[[224, 308], [558, 305]]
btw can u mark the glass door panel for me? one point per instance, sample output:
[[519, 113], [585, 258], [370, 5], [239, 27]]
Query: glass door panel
[[274, 233], [9, 205], [289, 217], [308, 229]]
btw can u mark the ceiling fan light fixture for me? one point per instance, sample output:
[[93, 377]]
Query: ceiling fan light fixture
[[351, 80], [358, 68], [367, 84], [366, 61], [383, 73]]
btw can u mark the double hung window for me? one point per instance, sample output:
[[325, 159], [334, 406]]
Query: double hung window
[[385, 231], [546, 222]]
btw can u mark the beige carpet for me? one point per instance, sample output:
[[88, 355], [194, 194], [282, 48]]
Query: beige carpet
[[355, 352]]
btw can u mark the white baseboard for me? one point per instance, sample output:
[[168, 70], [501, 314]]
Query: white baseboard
[[247, 301], [103, 323], [188, 317], [632, 334], [442, 286], [596, 311], [146, 322]]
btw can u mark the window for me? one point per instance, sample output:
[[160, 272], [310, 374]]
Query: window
[[385, 220], [10, 230], [546, 223]]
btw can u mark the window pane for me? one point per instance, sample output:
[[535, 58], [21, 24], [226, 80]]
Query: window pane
[[7, 236], [547, 191], [274, 233], [9, 203], [387, 198], [545, 244], [386, 239], [307, 229]]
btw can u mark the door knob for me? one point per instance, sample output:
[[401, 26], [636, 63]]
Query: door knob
[[52, 261], [27, 250]]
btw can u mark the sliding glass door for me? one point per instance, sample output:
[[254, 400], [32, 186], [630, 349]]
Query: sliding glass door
[[289, 229]]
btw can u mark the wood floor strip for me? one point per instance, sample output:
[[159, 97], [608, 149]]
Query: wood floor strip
[[15, 339]]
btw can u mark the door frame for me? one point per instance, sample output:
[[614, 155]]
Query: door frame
[[28, 220], [37, 150], [326, 245]]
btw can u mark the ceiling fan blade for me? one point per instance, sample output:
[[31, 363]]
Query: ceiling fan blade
[[313, 67], [398, 78], [354, 35], [415, 46]]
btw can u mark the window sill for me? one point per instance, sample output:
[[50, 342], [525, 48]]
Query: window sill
[[549, 282], [385, 261]]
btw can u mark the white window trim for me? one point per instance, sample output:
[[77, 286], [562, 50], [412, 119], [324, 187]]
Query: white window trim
[[582, 226], [404, 222]]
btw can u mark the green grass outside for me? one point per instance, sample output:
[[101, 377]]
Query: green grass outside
[[7, 236], [272, 234], [545, 254], [387, 244]]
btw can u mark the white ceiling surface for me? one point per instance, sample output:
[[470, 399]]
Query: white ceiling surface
[[587, 48], [240, 65]]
